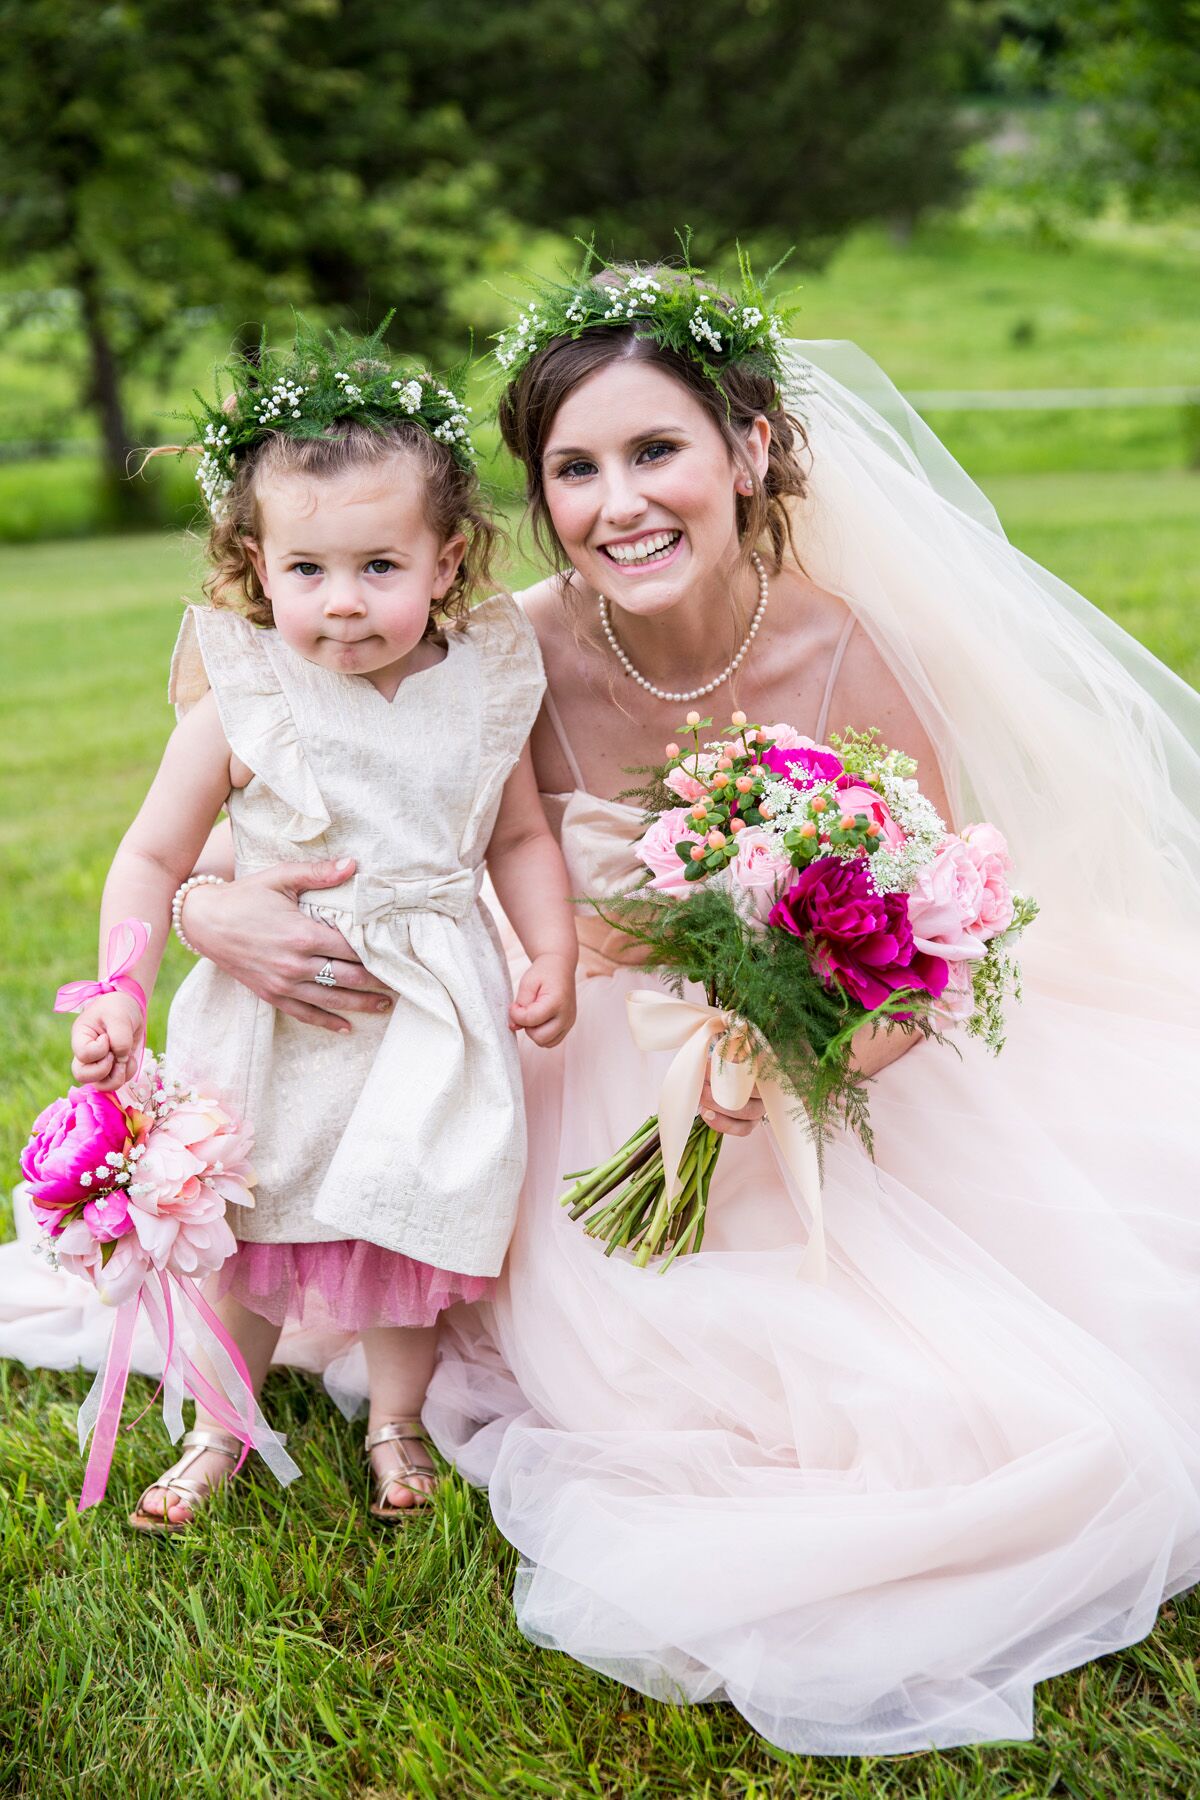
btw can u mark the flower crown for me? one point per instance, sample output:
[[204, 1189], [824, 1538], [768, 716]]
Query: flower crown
[[674, 306], [322, 380]]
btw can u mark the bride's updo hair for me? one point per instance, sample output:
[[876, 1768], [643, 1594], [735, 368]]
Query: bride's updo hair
[[531, 403]]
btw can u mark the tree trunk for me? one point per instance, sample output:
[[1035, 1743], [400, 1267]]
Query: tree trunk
[[127, 502]]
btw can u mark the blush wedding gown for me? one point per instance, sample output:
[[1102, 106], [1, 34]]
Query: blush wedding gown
[[873, 1514]]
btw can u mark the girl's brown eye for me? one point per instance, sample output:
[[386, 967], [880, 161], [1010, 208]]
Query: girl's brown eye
[[306, 569], [380, 565]]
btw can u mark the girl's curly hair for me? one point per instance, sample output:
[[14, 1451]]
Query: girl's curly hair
[[452, 498]]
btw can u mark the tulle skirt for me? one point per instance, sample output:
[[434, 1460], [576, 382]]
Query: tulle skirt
[[347, 1286], [870, 1514]]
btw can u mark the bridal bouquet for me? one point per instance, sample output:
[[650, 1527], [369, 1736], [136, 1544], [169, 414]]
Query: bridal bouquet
[[130, 1189], [811, 889]]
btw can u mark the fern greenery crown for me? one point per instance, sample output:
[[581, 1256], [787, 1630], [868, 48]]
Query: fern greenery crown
[[675, 306], [325, 379]]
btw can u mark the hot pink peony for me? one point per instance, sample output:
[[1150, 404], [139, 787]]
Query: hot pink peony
[[656, 848], [117, 1278], [804, 765], [70, 1139], [860, 939]]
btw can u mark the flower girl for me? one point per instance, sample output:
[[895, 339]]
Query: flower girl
[[339, 698]]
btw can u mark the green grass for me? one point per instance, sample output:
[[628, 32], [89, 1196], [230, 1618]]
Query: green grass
[[286, 1649]]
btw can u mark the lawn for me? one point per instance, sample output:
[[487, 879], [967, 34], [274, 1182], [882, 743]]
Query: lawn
[[286, 1649]]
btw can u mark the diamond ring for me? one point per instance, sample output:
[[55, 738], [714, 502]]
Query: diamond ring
[[325, 976]]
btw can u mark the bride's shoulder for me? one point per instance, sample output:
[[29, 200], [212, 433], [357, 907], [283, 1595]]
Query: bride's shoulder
[[543, 604]]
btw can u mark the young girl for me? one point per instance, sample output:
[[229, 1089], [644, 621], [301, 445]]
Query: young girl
[[335, 717]]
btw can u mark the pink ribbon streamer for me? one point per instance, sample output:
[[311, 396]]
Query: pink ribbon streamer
[[74, 995], [239, 1416]]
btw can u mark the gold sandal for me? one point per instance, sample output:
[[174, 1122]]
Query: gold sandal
[[398, 1432], [192, 1493]]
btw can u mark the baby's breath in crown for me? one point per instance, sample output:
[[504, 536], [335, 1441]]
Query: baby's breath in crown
[[323, 379], [674, 306]]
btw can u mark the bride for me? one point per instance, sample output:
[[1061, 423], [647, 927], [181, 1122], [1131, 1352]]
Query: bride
[[871, 1514]]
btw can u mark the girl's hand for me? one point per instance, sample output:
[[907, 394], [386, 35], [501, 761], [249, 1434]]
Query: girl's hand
[[106, 1041], [735, 1124], [544, 1008], [254, 930]]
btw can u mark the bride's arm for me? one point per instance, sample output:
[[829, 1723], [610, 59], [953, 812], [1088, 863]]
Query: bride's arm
[[253, 929]]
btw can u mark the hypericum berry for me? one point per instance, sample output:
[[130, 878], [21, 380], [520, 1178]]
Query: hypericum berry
[[693, 718], [716, 840], [808, 830], [700, 811], [847, 821], [744, 784], [699, 851], [672, 751], [738, 718], [818, 805], [736, 825]]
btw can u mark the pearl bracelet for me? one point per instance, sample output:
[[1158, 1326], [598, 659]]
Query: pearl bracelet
[[181, 894]]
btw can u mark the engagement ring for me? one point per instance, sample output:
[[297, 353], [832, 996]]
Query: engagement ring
[[325, 976]]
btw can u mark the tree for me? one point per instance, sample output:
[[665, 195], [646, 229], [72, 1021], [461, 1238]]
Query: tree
[[161, 158], [789, 120]]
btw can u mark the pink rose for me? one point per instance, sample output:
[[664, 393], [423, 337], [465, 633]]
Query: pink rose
[[785, 738], [944, 904], [990, 851], [71, 1138], [962, 898], [956, 1002], [657, 850], [761, 868], [854, 798], [685, 785]]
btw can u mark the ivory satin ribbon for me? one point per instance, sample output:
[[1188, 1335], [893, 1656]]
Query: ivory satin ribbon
[[661, 1021]]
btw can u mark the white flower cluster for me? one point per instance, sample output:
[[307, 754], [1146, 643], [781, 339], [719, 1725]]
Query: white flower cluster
[[457, 428], [703, 331], [410, 394], [750, 317], [527, 328], [211, 472], [284, 397], [349, 391], [894, 871]]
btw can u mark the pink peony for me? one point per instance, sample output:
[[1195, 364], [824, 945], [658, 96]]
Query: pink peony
[[71, 1138], [657, 850], [961, 899], [853, 797], [116, 1279], [860, 939], [804, 765], [761, 869], [685, 785], [192, 1164], [108, 1217]]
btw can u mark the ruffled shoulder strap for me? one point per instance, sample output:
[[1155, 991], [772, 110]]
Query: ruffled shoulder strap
[[512, 682], [220, 650]]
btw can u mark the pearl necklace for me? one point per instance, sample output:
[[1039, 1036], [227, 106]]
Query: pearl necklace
[[718, 680]]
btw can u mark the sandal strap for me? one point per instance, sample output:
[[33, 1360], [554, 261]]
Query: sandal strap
[[394, 1432], [211, 1438], [175, 1480]]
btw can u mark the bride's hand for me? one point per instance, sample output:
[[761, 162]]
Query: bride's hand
[[739, 1123], [253, 929]]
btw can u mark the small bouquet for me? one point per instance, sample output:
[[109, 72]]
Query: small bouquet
[[130, 1190], [811, 889]]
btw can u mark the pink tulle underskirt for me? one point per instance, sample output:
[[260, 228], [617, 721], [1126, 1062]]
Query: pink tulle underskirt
[[348, 1286]]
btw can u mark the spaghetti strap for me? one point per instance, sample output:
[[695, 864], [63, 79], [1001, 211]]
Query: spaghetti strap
[[555, 718], [835, 668]]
